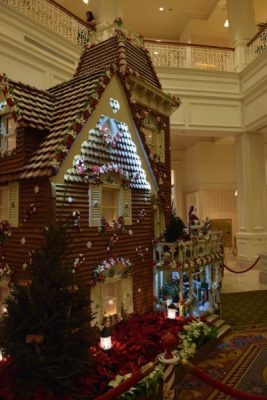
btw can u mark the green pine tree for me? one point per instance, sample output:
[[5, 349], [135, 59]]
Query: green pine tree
[[46, 330], [174, 230]]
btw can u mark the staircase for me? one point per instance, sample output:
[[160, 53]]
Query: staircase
[[220, 324]]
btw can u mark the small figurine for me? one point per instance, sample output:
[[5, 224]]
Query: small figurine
[[193, 218]]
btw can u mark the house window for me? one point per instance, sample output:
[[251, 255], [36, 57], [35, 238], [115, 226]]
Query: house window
[[154, 137], [112, 297], [4, 292], [8, 133], [111, 203], [4, 210]]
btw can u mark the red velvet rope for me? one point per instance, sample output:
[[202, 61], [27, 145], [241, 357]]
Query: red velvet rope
[[245, 270], [221, 386], [136, 377]]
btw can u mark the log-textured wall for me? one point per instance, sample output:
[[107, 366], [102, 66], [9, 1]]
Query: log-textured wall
[[126, 246], [37, 192], [27, 141], [142, 234]]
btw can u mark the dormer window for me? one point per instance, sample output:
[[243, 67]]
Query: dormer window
[[7, 129], [154, 137], [7, 134]]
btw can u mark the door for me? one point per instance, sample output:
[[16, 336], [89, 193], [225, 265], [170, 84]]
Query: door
[[225, 226]]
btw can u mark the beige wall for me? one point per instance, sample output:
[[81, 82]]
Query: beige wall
[[209, 176]]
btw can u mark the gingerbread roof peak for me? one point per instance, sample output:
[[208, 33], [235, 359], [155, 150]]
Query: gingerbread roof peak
[[123, 53]]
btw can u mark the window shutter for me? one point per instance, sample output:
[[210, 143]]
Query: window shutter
[[96, 304], [127, 294], [127, 206], [14, 204], [94, 205]]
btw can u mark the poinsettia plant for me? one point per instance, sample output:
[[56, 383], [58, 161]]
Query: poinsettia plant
[[136, 342]]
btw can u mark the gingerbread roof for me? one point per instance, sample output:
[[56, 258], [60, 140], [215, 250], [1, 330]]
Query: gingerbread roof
[[33, 107], [69, 99], [63, 110], [120, 52], [108, 152]]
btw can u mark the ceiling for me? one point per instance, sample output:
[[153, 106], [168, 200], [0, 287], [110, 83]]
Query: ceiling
[[195, 21]]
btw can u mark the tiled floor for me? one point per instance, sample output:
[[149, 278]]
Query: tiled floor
[[240, 282]]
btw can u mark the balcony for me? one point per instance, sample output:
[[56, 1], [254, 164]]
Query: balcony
[[57, 19], [189, 274]]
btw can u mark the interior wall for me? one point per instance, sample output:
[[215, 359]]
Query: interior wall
[[219, 204], [32, 54], [209, 175]]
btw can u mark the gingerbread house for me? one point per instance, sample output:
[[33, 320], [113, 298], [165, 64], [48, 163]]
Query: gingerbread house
[[93, 151]]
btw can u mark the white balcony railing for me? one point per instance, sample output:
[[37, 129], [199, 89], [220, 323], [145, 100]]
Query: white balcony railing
[[164, 54], [178, 55], [52, 16], [258, 44]]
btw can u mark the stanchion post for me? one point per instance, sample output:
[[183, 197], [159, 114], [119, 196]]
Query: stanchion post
[[169, 359]]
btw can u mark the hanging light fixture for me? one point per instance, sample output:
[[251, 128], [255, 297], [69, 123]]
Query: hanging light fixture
[[226, 23], [171, 311], [105, 339]]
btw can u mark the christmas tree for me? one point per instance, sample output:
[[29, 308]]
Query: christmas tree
[[174, 230], [46, 330]]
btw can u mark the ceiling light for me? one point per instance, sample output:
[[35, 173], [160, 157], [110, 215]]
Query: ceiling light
[[86, 1], [156, 52], [161, 8], [226, 24]]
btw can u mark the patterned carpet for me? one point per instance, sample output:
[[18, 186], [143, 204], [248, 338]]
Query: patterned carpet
[[244, 309], [239, 361]]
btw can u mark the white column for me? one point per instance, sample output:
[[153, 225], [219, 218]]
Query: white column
[[251, 203], [106, 11], [242, 28]]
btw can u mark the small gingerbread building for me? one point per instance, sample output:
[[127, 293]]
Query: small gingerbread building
[[94, 151]]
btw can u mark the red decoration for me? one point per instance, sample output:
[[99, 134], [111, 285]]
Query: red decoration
[[29, 211], [169, 342]]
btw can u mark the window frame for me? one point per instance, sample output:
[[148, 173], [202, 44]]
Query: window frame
[[118, 296], [5, 135], [158, 137], [95, 215], [118, 190]]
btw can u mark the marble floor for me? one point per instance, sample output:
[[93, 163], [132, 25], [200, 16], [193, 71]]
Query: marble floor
[[244, 282]]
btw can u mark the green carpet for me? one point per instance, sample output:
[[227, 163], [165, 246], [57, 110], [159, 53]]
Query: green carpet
[[244, 309]]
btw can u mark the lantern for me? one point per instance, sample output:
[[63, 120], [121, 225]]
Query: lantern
[[105, 339], [171, 311]]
